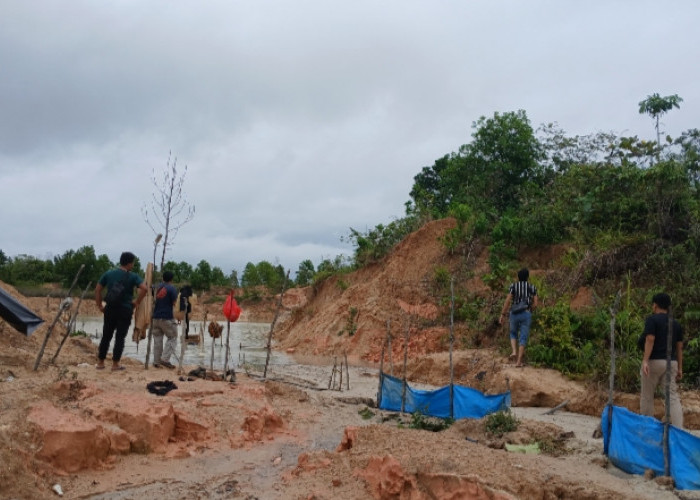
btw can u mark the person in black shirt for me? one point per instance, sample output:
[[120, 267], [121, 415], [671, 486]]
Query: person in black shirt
[[653, 370]]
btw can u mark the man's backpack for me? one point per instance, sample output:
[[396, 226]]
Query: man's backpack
[[520, 306], [115, 293]]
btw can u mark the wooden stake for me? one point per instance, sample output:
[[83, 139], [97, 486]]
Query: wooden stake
[[330, 381], [211, 360], [347, 373], [613, 313], [452, 341], [64, 304], [71, 323], [381, 371], [228, 333], [340, 378], [391, 358], [405, 361], [667, 399], [272, 325], [183, 340], [151, 290]]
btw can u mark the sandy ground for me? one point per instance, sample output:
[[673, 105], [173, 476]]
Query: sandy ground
[[292, 437], [99, 434]]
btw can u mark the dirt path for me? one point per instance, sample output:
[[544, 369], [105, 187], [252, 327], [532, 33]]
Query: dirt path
[[305, 463]]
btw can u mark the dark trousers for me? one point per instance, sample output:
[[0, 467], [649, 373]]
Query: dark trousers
[[116, 319]]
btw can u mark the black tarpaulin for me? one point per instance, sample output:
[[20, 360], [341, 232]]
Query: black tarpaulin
[[17, 315]]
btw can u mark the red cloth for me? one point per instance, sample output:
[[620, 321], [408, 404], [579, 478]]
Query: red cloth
[[232, 310]]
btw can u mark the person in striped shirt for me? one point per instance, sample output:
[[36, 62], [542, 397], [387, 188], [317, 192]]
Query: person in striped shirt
[[521, 300]]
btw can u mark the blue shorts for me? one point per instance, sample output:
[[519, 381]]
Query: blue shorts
[[520, 322]]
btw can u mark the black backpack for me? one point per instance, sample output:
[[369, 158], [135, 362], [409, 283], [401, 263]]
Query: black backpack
[[115, 293]]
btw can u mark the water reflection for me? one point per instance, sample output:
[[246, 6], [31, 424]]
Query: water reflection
[[247, 343]]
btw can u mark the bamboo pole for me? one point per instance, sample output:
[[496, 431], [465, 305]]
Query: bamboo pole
[[340, 376], [228, 334], [71, 323], [272, 325], [211, 360], [381, 371], [405, 361], [183, 340], [452, 341], [330, 380], [347, 373], [391, 358], [64, 304], [153, 305], [611, 389], [667, 399]]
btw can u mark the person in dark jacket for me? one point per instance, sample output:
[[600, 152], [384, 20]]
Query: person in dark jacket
[[653, 371], [117, 316], [164, 324]]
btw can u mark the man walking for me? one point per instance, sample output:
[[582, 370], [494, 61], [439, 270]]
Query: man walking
[[654, 363], [521, 300], [120, 304], [164, 322]]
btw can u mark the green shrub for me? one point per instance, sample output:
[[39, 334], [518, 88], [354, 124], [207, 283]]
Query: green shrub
[[433, 424], [500, 423]]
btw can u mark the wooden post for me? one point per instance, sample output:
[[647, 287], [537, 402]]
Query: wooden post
[[340, 376], [272, 325], [211, 360], [330, 380], [347, 372], [391, 358], [150, 284], [151, 290], [381, 372], [452, 341], [64, 304], [613, 314], [183, 341], [667, 399], [71, 323], [405, 361], [228, 333]]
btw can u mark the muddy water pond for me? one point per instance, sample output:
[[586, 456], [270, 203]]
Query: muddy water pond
[[247, 343]]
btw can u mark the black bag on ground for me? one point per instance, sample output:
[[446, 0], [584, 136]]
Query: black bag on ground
[[115, 293]]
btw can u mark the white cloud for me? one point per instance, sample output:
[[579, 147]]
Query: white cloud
[[296, 121]]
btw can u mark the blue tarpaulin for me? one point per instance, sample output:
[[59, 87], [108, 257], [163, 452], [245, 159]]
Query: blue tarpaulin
[[634, 443], [468, 402]]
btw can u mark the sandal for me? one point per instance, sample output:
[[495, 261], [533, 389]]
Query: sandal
[[512, 357], [119, 368], [99, 367]]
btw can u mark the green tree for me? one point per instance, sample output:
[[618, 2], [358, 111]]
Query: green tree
[[268, 274], [250, 276], [305, 273], [26, 269], [66, 266], [218, 277], [429, 193], [488, 173], [233, 277], [656, 106], [202, 276]]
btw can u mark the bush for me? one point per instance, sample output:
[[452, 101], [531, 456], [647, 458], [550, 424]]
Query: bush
[[500, 423]]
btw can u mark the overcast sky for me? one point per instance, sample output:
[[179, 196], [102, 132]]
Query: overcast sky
[[297, 120]]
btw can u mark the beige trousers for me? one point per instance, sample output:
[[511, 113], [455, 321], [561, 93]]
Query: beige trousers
[[657, 375]]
